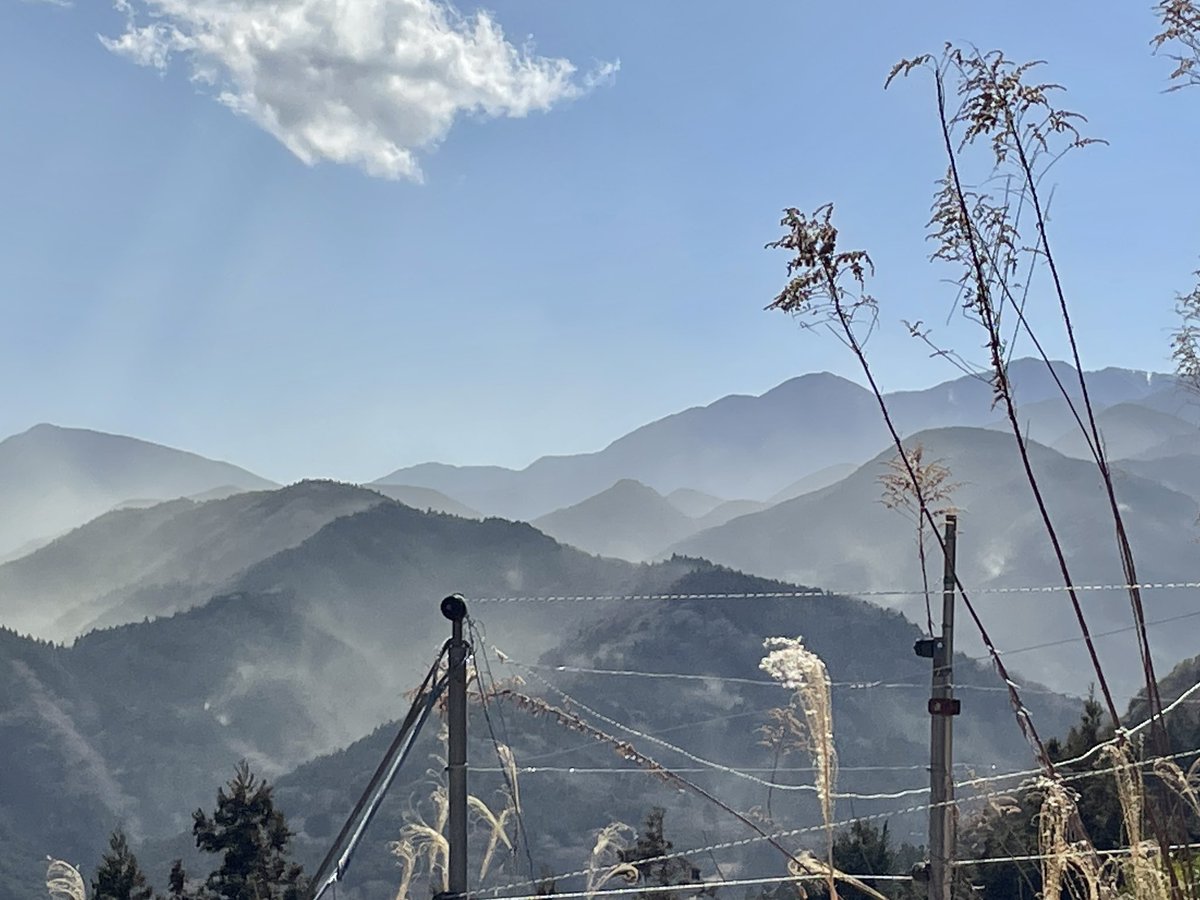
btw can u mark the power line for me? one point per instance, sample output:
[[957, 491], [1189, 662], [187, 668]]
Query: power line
[[748, 776], [509, 777], [812, 829], [686, 725], [1037, 857], [633, 770], [729, 770], [764, 682], [1109, 633], [700, 886], [828, 593], [787, 879], [800, 593], [966, 782]]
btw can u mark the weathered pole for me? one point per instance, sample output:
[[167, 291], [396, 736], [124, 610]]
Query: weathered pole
[[455, 609], [942, 710]]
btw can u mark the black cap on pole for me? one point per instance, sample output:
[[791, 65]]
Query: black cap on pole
[[454, 608]]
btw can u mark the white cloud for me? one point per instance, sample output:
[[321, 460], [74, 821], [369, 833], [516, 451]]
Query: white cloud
[[362, 82]]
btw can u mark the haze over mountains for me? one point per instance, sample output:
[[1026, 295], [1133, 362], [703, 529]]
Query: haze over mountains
[[784, 485], [742, 447], [155, 561], [52, 479], [237, 619]]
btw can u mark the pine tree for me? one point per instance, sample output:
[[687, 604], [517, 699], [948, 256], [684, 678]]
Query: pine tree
[[252, 837], [176, 881], [119, 877]]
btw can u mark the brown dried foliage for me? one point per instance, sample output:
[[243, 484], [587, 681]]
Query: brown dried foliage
[[932, 486], [1185, 343], [1180, 23], [818, 269]]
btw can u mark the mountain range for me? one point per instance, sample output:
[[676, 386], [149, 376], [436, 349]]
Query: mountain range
[[166, 615], [754, 448], [819, 521]]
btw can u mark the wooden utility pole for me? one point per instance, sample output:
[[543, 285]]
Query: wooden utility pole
[[943, 707], [455, 609]]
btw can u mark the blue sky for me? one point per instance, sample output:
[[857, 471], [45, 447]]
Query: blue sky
[[172, 269]]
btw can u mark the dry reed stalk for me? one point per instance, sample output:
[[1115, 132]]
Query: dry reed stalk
[[422, 845], [1180, 22], [902, 493], [827, 286], [998, 105], [63, 881], [1070, 866], [1185, 342], [1185, 784], [807, 864], [604, 862], [800, 670], [982, 236], [783, 734], [1144, 868]]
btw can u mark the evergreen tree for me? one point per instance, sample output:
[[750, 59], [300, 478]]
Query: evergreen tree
[[176, 881], [119, 877], [252, 838]]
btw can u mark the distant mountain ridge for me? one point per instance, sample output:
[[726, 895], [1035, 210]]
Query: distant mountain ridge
[[622, 521], [634, 522], [756, 447], [53, 479], [156, 561]]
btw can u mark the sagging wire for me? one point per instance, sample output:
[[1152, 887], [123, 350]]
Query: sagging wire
[[485, 693]]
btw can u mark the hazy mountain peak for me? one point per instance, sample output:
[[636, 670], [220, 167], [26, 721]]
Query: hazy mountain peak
[[54, 478], [633, 487], [814, 381], [628, 520]]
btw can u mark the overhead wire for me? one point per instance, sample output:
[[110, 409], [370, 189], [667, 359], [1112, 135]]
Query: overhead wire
[[976, 658], [697, 886], [742, 773], [686, 725], [1123, 734], [709, 884], [737, 843], [1037, 857], [868, 684], [485, 704], [802, 593], [1075, 776], [633, 770], [1109, 633], [764, 682], [674, 748]]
